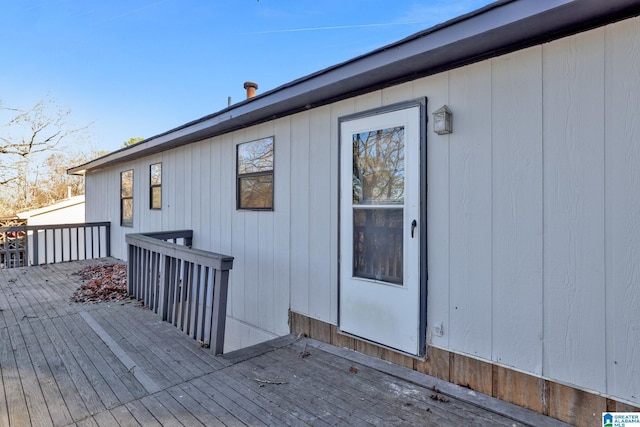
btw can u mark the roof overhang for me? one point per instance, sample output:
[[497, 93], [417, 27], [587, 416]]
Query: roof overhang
[[501, 27]]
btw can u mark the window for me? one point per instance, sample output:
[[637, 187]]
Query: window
[[255, 175], [155, 186], [126, 198]]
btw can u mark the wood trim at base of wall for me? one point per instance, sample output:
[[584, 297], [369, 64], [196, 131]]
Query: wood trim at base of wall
[[568, 404]]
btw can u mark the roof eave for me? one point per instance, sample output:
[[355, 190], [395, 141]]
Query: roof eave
[[499, 28]]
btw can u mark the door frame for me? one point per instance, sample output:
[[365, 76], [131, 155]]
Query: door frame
[[422, 228]]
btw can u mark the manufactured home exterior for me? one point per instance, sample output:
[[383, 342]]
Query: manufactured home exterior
[[520, 276]]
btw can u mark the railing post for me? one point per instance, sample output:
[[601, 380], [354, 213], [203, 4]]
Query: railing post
[[219, 315]]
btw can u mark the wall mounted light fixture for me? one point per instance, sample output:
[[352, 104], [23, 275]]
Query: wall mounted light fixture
[[442, 121]]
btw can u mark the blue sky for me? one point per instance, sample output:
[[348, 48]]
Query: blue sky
[[137, 68]]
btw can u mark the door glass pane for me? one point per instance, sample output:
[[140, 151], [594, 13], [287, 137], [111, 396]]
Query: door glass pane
[[377, 244], [378, 167]]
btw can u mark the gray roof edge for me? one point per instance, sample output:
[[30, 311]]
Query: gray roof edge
[[498, 28]]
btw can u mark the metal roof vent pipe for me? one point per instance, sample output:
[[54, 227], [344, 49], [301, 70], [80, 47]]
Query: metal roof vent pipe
[[251, 88]]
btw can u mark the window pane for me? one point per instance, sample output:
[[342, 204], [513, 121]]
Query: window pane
[[256, 192], [155, 174], [255, 156], [127, 212], [377, 244], [156, 197], [126, 184], [378, 167]]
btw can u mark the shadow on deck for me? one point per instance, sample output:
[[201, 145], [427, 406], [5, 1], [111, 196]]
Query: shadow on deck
[[65, 363]]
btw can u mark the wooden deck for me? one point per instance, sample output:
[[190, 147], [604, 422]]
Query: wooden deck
[[110, 364]]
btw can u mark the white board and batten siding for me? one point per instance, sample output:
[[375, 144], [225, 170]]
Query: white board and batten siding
[[622, 208], [533, 212], [541, 270], [574, 209]]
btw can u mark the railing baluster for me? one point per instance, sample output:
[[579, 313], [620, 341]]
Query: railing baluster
[[164, 288], [208, 312], [70, 245], [84, 240], [195, 302], [153, 285], [99, 243], [36, 248], [108, 239], [55, 257], [186, 296], [46, 246], [177, 290], [131, 266], [172, 289], [93, 251]]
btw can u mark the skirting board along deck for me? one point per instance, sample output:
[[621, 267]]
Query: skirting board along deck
[[568, 404]]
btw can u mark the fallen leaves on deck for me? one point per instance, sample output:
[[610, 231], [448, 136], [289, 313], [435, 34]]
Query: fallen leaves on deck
[[105, 282], [439, 397]]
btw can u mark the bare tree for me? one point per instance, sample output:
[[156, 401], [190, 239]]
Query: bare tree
[[34, 155]]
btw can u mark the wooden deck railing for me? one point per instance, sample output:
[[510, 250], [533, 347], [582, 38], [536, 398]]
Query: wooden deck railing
[[187, 287], [21, 246]]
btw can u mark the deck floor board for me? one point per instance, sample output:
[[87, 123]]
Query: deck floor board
[[240, 391], [209, 402], [15, 403], [280, 381], [72, 398], [142, 414], [56, 405], [90, 367], [383, 388], [124, 386], [332, 387], [108, 364], [160, 412], [27, 380], [195, 408]]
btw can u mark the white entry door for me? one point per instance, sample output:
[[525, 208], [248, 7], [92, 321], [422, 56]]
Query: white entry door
[[380, 228]]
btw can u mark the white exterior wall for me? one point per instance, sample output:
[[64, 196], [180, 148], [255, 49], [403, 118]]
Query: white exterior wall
[[533, 212], [70, 211]]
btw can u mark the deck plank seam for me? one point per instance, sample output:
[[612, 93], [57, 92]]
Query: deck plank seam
[[126, 360]]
